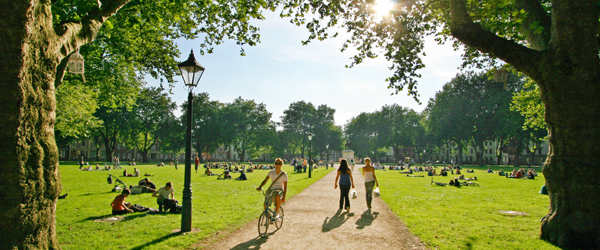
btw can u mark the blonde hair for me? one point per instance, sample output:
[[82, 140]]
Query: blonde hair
[[279, 160], [367, 160]]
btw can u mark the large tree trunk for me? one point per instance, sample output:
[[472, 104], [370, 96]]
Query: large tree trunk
[[33, 58], [571, 170], [30, 179]]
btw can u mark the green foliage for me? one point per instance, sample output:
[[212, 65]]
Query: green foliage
[[529, 103], [76, 104], [468, 217], [248, 126], [474, 109], [218, 206], [147, 121], [302, 118], [208, 132], [396, 127]]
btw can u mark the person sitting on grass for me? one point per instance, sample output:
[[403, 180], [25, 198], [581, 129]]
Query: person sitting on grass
[[226, 175], [489, 171], [118, 204], [457, 171], [164, 195], [519, 174], [136, 172], [207, 172], [242, 177], [530, 175], [501, 173]]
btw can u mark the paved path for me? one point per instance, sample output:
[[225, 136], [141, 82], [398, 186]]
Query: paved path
[[312, 221]]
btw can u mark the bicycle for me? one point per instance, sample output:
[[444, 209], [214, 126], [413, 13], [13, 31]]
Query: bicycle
[[268, 216]]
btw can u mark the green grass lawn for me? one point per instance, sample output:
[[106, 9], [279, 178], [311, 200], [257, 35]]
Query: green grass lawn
[[219, 206], [467, 217]]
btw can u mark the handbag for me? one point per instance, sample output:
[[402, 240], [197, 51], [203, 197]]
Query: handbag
[[354, 194], [376, 191]]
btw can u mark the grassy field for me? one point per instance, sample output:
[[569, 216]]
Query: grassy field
[[219, 206], [468, 217]]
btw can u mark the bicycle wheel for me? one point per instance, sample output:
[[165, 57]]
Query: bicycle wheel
[[279, 223], [263, 224]]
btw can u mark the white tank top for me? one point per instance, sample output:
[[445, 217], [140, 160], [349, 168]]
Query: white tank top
[[369, 177]]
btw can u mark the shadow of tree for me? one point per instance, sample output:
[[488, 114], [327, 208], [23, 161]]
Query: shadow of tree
[[335, 221], [157, 241], [253, 243], [366, 219]]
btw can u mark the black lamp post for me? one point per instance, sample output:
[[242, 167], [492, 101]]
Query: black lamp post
[[327, 156], [310, 136], [191, 71]]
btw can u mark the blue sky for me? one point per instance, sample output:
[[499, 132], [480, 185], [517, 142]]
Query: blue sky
[[280, 71]]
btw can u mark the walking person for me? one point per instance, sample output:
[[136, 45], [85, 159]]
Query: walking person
[[370, 180], [197, 163], [344, 175]]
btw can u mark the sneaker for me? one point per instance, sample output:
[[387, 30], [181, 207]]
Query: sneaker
[[277, 218]]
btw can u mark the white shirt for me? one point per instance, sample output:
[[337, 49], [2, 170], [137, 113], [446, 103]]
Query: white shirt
[[165, 193], [279, 184]]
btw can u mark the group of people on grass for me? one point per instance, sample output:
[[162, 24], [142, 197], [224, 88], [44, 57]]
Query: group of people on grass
[[517, 173], [165, 197]]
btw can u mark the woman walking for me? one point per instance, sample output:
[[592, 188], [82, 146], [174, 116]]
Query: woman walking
[[344, 175], [370, 180]]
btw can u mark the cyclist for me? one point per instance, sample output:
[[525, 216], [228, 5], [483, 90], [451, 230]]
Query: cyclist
[[279, 185]]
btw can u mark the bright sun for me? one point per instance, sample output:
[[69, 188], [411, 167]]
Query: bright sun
[[383, 7]]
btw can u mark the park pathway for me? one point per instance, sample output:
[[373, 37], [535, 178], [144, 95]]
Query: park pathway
[[312, 221]]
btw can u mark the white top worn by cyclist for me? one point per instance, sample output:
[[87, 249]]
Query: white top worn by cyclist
[[280, 184]]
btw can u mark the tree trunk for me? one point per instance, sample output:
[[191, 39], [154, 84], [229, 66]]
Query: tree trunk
[[571, 170], [30, 179], [145, 155], [460, 153]]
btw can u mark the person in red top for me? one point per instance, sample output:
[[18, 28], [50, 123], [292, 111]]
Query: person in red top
[[118, 204], [197, 163]]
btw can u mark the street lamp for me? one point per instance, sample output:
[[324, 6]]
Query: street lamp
[[191, 71], [310, 136], [327, 156]]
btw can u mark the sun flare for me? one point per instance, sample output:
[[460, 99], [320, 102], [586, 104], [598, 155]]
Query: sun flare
[[383, 7]]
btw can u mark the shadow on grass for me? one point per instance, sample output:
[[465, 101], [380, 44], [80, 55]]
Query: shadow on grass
[[157, 241], [335, 221], [469, 242], [366, 219], [98, 193], [101, 217]]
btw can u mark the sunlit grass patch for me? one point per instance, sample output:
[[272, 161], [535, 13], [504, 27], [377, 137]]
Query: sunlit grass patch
[[468, 217], [218, 205]]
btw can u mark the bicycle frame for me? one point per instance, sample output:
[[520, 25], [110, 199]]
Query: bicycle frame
[[268, 215]]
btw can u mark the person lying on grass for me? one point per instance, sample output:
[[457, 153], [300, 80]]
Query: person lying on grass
[[118, 204]]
